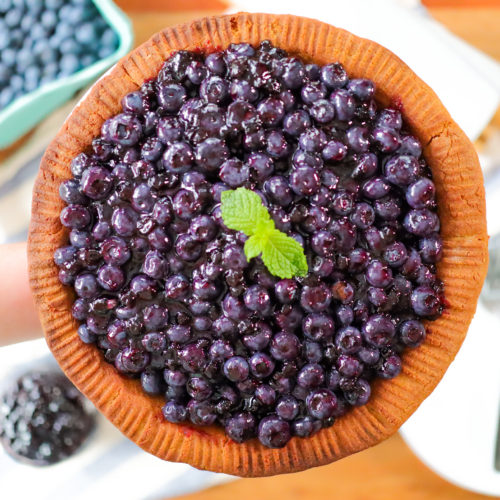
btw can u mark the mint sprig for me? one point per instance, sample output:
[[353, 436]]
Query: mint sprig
[[242, 210]]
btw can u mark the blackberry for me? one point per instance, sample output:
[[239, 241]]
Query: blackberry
[[43, 419]]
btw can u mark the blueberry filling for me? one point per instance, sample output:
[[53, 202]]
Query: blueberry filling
[[164, 289]]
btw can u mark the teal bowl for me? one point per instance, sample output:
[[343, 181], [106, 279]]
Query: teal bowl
[[25, 112]]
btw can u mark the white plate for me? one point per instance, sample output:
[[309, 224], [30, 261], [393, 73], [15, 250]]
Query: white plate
[[455, 429]]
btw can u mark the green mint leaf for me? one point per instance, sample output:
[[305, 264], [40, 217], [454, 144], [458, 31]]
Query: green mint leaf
[[283, 256], [242, 210], [253, 247]]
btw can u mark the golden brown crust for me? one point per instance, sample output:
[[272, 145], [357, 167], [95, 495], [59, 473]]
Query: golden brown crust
[[461, 208]]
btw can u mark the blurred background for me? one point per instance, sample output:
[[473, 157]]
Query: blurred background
[[448, 449]]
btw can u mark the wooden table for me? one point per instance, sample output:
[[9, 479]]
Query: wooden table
[[389, 470]]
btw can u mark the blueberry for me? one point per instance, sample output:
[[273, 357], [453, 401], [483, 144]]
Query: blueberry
[[431, 248], [286, 291], [421, 193], [265, 394], [13, 17], [390, 367], [366, 166], [375, 188], [304, 181], [412, 333], [271, 111], [123, 221], [390, 118], [236, 369], [276, 144], [396, 254], [86, 286], [297, 122], [86, 33], [410, 145], [312, 140], [318, 327], [178, 157], [257, 338], [215, 63], [284, 346], [6, 97], [215, 90], [421, 222], [86, 336], [349, 366], [315, 298], [425, 301], [369, 356], [293, 73], [260, 165], [75, 217], [151, 382], [261, 365], [234, 172], [274, 432], [143, 287], [348, 340], [8, 57], [123, 129], [334, 75], [402, 170], [153, 342], [211, 153], [344, 104], [378, 330], [378, 274], [361, 88], [174, 412], [313, 91], [257, 299], [321, 403], [234, 308], [310, 376], [241, 427], [322, 111], [287, 408], [241, 115], [358, 139], [359, 394], [305, 427], [109, 39], [171, 97], [192, 358], [334, 151]]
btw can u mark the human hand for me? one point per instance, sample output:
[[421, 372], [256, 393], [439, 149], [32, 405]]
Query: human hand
[[18, 317]]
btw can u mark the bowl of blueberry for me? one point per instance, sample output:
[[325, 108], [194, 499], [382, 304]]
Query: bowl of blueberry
[[257, 244], [43, 418], [49, 49]]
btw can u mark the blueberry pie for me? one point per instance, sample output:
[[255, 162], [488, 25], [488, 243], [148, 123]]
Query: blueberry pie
[[257, 244]]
